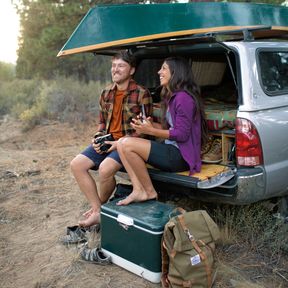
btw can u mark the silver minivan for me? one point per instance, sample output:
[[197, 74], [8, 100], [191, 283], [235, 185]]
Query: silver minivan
[[239, 55]]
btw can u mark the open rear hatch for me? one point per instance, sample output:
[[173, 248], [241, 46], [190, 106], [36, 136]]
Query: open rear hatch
[[95, 33]]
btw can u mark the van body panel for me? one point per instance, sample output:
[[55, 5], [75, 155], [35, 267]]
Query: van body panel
[[254, 98]]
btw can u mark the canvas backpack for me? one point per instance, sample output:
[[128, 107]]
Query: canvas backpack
[[188, 246]]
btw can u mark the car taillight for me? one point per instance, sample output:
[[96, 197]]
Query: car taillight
[[248, 144]]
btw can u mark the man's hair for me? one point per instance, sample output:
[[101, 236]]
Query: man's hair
[[126, 56]]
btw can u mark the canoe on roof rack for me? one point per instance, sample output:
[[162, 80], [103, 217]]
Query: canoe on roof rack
[[114, 26]]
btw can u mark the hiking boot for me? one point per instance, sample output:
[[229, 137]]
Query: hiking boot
[[214, 155], [205, 148]]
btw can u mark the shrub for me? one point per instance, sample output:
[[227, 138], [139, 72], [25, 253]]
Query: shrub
[[63, 99], [18, 93], [252, 225], [7, 71], [36, 113], [70, 100]]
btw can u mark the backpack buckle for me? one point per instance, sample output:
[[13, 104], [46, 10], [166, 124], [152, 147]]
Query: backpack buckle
[[190, 236]]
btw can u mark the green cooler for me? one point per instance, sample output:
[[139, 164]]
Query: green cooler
[[132, 234]]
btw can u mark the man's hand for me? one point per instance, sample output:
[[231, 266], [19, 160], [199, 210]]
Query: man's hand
[[96, 146]]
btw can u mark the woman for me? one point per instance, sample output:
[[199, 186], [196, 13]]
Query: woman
[[183, 128]]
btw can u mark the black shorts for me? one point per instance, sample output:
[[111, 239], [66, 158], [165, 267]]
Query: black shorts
[[166, 157]]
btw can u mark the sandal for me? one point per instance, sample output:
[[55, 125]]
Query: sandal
[[95, 255], [74, 235], [77, 234]]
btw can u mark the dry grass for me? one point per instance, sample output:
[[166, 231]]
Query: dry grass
[[36, 208]]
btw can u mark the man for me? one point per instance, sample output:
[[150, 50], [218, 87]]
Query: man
[[119, 103]]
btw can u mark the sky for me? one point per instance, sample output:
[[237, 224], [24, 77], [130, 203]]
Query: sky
[[9, 27]]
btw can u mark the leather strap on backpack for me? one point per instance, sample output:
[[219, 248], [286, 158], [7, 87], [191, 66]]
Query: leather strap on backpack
[[165, 265], [181, 283], [197, 248], [165, 258]]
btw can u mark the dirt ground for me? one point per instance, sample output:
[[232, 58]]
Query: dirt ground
[[39, 198]]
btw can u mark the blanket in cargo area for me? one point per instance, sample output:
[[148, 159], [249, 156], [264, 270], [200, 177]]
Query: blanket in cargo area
[[218, 115]]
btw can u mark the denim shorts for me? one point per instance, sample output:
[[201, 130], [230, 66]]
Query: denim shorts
[[166, 157], [98, 158]]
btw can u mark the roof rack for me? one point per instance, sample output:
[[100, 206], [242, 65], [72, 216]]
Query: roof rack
[[244, 34], [247, 33]]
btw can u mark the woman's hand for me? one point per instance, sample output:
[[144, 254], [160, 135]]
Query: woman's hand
[[142, 125], [113, 146]]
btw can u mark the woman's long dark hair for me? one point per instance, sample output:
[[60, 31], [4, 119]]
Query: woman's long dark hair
[[182, 78]]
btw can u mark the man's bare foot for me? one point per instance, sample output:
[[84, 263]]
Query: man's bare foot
[[88, 213], [93, 219], [137, 197]]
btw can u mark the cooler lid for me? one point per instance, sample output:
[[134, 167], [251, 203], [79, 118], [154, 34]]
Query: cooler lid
[[151, 215]]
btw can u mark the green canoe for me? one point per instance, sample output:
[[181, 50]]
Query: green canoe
[[112, 26]]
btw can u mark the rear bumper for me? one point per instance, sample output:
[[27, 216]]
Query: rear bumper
[[250, 186]]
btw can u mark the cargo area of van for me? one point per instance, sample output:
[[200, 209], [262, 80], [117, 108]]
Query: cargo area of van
[[215, 72]]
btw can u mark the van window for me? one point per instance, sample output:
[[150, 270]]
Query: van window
[[273, 71]]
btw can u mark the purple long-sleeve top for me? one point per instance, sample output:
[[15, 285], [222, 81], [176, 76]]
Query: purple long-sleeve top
[[186, 130]]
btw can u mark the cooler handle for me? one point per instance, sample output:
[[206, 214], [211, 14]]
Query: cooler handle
[[125, 220]]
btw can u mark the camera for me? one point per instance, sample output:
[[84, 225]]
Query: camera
[[101, 139]]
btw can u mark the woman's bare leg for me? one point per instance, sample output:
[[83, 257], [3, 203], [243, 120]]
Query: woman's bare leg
[[133, 153], [137, 186]]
